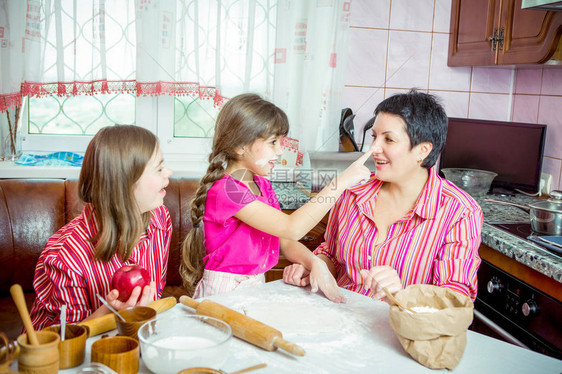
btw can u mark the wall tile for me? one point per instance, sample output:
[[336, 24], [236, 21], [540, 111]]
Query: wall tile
[[552, 81], [366, 63], [411, 15], [553, 166], [520, 94], [368, 13], [441, 76], [393, 91], [455, 103], [362, 102], [528, 81], [408, 59], [442, 16], [493, 107], [549, 113], [492, 79], [525, 108]]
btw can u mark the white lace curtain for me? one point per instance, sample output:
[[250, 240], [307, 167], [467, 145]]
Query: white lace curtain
[[290, 52]]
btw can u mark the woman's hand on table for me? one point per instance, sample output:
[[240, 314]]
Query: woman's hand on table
[[381, 276], [319, 277]]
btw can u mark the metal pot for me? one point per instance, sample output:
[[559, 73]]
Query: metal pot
[[545, 215]]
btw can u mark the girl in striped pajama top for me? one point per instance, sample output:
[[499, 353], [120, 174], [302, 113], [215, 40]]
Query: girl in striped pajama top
[[124, 221], [406, 225], [238, 228]]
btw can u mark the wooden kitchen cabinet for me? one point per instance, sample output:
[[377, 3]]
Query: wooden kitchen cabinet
[[499, 32], [311, 240]]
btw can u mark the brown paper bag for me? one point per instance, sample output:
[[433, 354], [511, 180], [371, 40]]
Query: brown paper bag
[[434, 339]]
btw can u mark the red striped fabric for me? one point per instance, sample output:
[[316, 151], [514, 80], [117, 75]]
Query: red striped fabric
[[435, 243], [67, 273]]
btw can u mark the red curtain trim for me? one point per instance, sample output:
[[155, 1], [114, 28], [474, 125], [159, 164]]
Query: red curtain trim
[[8, 101], [35, 89]]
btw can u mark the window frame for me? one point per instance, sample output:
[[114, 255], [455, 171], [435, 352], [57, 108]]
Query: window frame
[[155, 113]]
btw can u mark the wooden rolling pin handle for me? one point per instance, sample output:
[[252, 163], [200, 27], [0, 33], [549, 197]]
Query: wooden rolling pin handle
[[244, 327], [19, 300], [288, 346], [163, 304], [188, 301], [99, 325]]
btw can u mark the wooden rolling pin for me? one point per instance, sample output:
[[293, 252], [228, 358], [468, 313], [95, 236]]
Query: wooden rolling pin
[[107, 322], [244, 327]]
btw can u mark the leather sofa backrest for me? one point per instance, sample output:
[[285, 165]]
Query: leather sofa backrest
[[31, 210]]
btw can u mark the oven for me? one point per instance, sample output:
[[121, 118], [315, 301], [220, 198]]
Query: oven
[[516, 312]]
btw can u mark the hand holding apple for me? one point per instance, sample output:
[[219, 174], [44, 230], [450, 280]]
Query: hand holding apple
[[127, 278]]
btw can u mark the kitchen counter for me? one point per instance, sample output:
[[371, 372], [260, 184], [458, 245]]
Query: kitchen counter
[[522, 251], [289, 195], [354, 337]]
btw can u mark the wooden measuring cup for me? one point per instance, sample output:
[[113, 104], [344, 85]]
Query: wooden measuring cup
[[120, 353], [72, 349]]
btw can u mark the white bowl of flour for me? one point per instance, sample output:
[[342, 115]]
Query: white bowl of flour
[[169, 345]]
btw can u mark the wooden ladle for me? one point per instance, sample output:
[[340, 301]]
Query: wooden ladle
[[19, 300]]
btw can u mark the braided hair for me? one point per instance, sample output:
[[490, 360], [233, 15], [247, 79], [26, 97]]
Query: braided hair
[[243, 119]]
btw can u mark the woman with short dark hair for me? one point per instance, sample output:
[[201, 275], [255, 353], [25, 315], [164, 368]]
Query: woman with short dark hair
[[406, 225]]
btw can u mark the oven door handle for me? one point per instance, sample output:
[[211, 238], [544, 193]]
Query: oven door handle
[[498, 330]]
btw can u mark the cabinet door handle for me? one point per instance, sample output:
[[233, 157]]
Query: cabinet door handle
[[308, 238], [500, 39], [494, 38]]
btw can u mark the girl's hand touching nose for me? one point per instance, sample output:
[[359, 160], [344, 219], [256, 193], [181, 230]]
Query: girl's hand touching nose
[[357, 172]]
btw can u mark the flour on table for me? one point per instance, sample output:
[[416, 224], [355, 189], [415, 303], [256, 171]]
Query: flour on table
[[296, 317]]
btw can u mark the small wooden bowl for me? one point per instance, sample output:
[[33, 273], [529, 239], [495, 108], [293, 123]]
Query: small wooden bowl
[[72, 349], [42, 358], [135, 316], [120, 353]]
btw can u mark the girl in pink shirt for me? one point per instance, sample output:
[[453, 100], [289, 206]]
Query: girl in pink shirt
[[238, 227], [124, 221]]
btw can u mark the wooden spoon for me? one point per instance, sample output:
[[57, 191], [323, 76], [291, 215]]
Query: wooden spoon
[[390, 296], [395, 301], [19, 300]]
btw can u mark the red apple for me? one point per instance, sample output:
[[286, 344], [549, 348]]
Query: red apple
[[127, 278]]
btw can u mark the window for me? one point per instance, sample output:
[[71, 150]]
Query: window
[[55, 123], [157, 65]]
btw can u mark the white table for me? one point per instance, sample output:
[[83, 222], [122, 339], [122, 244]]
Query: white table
[[354, 337]]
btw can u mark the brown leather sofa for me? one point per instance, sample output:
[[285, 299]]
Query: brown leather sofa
[[31, 210]]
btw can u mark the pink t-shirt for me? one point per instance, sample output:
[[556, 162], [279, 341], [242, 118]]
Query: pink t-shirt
[[232, 245]]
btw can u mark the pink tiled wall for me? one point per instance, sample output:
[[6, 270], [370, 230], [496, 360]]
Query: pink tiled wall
[[395, 45]]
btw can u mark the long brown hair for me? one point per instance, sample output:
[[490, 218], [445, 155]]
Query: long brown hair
[[114, 160], [243, 119]]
